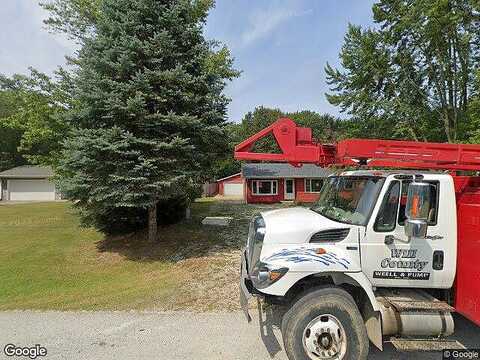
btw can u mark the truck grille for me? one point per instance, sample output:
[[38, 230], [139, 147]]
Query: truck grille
[[329, 235]]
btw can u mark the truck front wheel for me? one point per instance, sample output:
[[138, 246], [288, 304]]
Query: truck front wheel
[[325, 324]]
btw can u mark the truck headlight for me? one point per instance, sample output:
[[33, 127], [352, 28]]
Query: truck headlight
[[265, 275]]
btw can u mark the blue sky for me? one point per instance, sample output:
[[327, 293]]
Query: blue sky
[[281, 46]]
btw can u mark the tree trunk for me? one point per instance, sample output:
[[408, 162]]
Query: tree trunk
[[188, 210], [446, 122], [152, 223], [412, 132]]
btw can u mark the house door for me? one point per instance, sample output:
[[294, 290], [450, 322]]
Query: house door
[[289, 189]]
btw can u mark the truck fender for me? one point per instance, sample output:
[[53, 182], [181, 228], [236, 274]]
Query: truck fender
[[371, 309], [357, 279]]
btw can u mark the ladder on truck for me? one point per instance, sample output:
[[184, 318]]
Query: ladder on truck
[[298, 147]]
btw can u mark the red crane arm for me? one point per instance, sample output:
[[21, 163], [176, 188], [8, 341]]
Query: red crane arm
[[298, 147], [296, 144]]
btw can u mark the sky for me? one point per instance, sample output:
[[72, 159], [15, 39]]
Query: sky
[[281, 47]]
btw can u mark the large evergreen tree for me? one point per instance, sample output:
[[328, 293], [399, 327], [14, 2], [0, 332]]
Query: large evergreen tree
[[149, 112]]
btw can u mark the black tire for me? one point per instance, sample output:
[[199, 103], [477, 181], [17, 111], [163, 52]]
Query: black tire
[[333, 301]]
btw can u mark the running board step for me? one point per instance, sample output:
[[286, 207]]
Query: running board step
[[413, 300], [421, 305], [425, 344]]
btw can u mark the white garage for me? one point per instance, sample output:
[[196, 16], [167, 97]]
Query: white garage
[[27, 183], [233, 189]]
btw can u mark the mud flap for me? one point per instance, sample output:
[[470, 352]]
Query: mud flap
[[373, 324]]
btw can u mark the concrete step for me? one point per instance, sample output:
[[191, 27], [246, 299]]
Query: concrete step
[[217, 220]]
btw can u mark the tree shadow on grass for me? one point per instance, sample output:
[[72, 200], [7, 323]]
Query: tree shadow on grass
[[175, 242], [189, 238]]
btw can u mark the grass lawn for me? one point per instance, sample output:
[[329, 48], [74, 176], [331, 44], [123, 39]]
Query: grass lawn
[[48, 262]]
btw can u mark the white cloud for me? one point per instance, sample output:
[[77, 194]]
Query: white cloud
[[26, 42], [38, 15], [264, 21]]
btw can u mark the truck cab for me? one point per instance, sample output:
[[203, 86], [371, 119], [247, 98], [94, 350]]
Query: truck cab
[[376, 256]]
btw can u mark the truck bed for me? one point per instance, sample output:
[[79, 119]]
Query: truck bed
[[467, 283]]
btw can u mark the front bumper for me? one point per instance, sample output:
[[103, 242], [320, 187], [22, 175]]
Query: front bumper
[[245, 293]]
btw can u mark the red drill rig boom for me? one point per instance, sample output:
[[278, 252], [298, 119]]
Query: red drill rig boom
[[298, 147]]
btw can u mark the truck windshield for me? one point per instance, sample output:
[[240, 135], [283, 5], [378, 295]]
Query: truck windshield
[[349, 199]]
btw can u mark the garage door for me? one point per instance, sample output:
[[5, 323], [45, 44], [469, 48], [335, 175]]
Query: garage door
[[26, 190], [233, 190]]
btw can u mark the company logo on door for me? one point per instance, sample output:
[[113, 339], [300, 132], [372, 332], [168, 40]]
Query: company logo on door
[[403, 259]]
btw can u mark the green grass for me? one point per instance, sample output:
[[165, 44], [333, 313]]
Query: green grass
[[48, 262]]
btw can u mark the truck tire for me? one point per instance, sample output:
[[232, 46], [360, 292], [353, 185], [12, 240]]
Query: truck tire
[[325, 324]]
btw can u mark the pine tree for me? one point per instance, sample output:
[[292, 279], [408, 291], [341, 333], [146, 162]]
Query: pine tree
[[149, 112]]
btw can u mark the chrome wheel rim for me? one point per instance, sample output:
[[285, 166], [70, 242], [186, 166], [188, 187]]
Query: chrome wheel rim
[[324, 338]]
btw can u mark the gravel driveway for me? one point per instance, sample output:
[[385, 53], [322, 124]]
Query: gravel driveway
[[166, 336]]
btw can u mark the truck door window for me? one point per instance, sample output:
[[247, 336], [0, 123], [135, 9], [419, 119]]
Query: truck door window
[[387, 216], [432, 217]]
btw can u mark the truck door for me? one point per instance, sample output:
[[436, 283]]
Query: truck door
[[389, 258]]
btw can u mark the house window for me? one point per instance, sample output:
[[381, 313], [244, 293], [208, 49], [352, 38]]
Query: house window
[[264, 187], [313, 185]]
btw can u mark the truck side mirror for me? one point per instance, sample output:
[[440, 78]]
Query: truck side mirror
[[417, 210]]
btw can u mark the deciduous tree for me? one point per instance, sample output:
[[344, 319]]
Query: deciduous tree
[[31, 119], [414, 70]]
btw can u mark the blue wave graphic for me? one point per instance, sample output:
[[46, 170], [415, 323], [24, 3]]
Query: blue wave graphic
[[308, 255]]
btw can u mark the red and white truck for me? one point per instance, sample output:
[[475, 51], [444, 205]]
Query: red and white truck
[[383, 254]]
